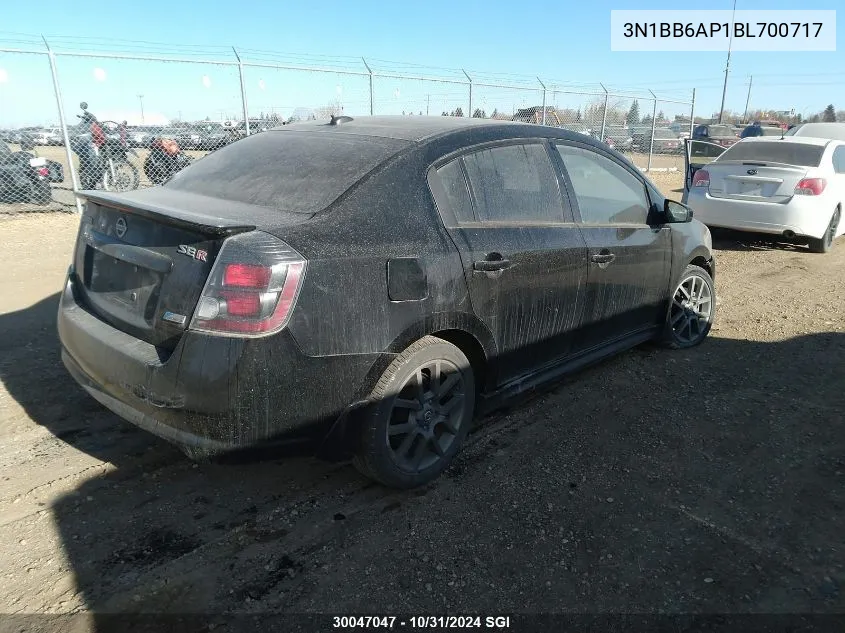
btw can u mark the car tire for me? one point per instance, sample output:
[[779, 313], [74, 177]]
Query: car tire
[[825, 243], [691, 311], [41, 193], [421, 410]]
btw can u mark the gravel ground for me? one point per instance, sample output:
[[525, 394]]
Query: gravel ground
[[707, 481]]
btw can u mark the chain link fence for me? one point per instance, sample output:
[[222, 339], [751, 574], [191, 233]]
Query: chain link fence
[[72, 120]]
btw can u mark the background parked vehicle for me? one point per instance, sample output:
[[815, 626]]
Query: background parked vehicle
[[140, 136], [793, 187], [256, 126], [833, 131], [680, 128], [25, 177], [47, 136], [665, 141], [212, 136], [720, 134], [272, 268], [617, 137]]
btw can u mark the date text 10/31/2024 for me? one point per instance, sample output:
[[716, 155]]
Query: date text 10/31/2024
[[370, 622]]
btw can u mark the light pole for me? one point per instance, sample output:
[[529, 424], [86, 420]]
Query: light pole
[[728, 63], [141, 99]]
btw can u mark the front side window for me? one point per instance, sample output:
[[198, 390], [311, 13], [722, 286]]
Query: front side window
[[606, 192], [514, 183]]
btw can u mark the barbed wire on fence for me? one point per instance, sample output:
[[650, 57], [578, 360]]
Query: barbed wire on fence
[[159, 107]]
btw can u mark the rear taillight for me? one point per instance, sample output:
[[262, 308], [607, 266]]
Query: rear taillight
[[252, 287], [42, 171], [701, 178], [810, 186]]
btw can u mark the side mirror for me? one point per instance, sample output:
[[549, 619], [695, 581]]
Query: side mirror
[[676, 213]]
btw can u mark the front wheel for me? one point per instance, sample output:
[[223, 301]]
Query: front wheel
[[120, 176], [824, 244], [422, 409], [693, 308]]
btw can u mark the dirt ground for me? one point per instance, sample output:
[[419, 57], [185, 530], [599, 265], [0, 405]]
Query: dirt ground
[[710, 480]]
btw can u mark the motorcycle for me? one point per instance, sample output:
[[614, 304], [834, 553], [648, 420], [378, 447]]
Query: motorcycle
[[104, 155], [164, 160]]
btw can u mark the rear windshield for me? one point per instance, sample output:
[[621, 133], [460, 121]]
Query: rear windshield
[[301, 172], [772, 131], [776, 152]]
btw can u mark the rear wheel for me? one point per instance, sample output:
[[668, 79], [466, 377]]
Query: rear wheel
[[41, 193], [692, 310], [120, 176], [422, 410], [824, 244]]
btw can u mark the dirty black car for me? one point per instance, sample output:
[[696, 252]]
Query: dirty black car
[[373, 284]]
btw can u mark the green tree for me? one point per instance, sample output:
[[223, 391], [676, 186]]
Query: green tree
[[495, 113], [578, 116], [661, 116], [633, 116], [458, 111], [829, 115], [479, 114]]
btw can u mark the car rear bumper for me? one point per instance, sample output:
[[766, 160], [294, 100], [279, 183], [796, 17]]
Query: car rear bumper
[[800, 215], [212, 394]]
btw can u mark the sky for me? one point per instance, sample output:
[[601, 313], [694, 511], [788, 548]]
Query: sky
[[565, 44]]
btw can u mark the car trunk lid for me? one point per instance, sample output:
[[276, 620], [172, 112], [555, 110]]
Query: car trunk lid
[[143, 258], [754, 180]]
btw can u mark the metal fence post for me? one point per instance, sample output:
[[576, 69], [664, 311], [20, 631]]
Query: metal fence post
[[243, 91], [470, 91], [604, 113], [370, 72], [74, 179], [544, 100], [653, 126], [692, 113]]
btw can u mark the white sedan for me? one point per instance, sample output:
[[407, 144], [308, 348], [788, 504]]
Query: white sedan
[[792, 186]]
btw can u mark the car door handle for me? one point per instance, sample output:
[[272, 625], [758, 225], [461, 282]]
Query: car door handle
[[603, 258], [491, 265]]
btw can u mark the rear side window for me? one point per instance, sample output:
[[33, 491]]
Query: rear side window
[[839, 159], [607, 193], [455, 187], [701, 130], [803, 155], [514, 183], [300, 172]]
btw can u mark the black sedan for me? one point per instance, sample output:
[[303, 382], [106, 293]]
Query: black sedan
[[371, 284], [25, 177]]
